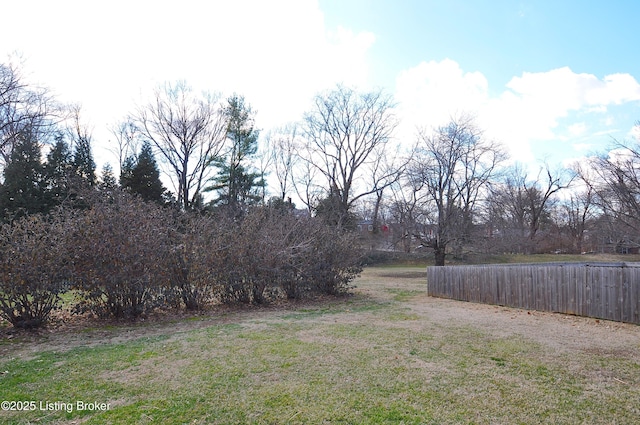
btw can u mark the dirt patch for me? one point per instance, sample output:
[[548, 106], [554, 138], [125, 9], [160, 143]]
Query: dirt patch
[[556, 331], [406, 274]]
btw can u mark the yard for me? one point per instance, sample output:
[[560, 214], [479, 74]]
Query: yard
[[387, 354]]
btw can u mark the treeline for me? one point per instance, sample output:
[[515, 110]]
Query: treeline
[[458, 195], [450, 190]]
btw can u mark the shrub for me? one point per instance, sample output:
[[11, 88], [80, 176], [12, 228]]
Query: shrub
[[33, 269], [234, 267], [193, 258], [272, 248], [121, 248], [335, 260]]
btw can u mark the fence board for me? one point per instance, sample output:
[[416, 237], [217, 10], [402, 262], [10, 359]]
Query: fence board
[[608, 291]]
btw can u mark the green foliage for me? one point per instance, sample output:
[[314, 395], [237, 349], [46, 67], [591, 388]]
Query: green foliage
[[236, 183], [83, 162], [107, 179], [141, 176], [23, 190], [58, 172]]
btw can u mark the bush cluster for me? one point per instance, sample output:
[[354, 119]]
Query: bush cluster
[[122, 258]]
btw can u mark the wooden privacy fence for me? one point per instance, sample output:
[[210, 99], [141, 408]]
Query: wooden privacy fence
[[601, 290]]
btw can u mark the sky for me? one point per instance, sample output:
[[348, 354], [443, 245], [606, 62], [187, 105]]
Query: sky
[[551, 80]]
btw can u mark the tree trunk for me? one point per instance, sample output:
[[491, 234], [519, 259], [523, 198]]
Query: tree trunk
[[439, 254]]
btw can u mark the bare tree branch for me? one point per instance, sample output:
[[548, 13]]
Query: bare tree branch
[[188, 131], [345, 132]]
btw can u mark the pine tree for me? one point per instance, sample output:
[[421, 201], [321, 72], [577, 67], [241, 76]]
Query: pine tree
[[22, 192], [141, 176], [236, 183], [126, 172], [331, 210], [83, 161], [107, 179], [58, 170]]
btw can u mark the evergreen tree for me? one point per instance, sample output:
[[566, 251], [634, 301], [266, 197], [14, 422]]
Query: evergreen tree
[[22, 192], [107, 179], [57, 172], [141, 176], [83, 161], [126, 172], [331, 210], [236, 183]]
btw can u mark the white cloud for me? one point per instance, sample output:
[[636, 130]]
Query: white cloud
[[106, 55], [528, 110], [432, 92], [577, 129], [614, 89], [635, 132]]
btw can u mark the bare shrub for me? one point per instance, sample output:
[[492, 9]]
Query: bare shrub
[[121, 246], [33, 269], [233, 267], [193, 259], [272, 248], [334, 260]]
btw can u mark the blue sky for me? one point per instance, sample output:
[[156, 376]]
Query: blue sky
[[555, 57], [551, 80], [500, 38]]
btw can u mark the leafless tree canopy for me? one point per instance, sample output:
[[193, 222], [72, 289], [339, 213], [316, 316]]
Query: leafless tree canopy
[[23, 108], [346, 132], [127, 139], [454, 165], [617, 183], [283, 145], [187, 130], [520, 205]]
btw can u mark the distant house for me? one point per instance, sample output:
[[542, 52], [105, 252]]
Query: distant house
[[627, 247], [365, 227], [624, 246]]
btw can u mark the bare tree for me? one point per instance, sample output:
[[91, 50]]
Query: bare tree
[[579, 213], [539, 193], [23, 108], [454, 163], [507, 210], [305, 178], [188, 131], [127, 140], [283, 144], [522, 205], [616, 182], [345, 132], [407, 209], [385, 171]]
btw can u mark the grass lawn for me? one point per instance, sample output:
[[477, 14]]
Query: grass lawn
[[388, 354]]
